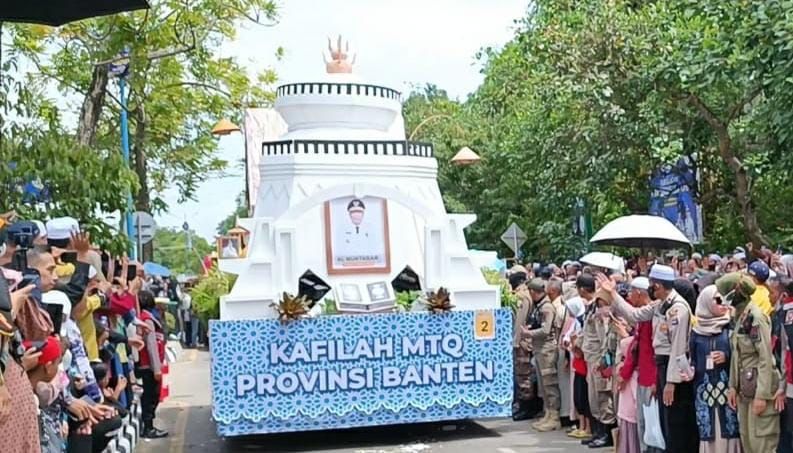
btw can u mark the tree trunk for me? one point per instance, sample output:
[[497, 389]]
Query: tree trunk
[[142, 200], [742, 195], [91, 110]]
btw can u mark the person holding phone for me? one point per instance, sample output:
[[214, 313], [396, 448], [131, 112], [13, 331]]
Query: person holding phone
[[710, 357], [671, 318]]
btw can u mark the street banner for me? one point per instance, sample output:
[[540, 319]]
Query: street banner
[[260, 125], [343, 371], [673, 191]]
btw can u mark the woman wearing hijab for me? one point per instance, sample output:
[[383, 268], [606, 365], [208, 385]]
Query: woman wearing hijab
[[710, 356]]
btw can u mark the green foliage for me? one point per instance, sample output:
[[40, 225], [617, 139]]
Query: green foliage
[[329, 307], [180, 84], [206, 294], [35, 147], [405, 299], [590, 97], [508, 298], [230, 222], [170, 250]]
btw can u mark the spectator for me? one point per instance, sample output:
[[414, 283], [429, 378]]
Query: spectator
[[149, 368]]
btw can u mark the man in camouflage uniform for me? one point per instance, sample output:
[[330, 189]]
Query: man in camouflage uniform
[[543, 332], [754, 377], [526, 402]]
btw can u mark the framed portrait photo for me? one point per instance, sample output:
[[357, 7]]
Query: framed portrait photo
[[356, 236], [228, 247]]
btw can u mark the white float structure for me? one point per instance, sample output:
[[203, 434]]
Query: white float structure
[[346, 138]]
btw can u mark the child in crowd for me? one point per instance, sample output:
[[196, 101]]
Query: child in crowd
[[571, 329]]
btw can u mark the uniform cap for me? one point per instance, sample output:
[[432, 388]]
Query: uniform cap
[[759, 270], [736, 287], [662, 273], [355, 205], [537, 284]]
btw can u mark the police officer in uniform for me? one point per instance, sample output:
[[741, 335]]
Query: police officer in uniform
[[671, 317], [526, 402], [754, 378], [543, 332]]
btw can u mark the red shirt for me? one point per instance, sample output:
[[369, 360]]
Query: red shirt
[[579, 366], [646, 356], [121, 304]]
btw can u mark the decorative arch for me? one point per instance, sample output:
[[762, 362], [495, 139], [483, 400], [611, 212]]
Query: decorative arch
[[360, 190]]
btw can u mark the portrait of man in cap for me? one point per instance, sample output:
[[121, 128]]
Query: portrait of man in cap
[[356, 234]]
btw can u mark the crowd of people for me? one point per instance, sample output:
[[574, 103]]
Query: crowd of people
[[659, 354], [82, 336]]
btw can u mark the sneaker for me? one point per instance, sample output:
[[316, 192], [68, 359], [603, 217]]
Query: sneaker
[[581, 435], [154, 433]]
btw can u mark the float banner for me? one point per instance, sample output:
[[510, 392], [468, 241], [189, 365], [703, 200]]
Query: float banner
[[343, 371]]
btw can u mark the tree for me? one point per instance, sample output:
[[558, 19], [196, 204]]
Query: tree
[[241, 210], [45, 172], [181, 255], [590, 97], [179, 84]]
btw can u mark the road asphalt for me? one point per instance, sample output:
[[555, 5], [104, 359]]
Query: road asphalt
[[187, 416]]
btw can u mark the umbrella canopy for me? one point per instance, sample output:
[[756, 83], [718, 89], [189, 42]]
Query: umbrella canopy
[[605, 260], [641, 231], [59, 12], [157, 270]]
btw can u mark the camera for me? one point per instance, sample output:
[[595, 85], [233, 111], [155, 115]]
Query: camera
[[21, 235]]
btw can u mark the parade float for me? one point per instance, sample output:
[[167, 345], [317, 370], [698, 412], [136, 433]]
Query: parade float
[[348, 219]]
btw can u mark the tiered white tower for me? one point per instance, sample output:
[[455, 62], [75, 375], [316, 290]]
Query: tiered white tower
[[346, 138]]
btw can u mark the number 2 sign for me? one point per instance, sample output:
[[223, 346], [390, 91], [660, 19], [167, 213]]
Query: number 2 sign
[[484, 325]]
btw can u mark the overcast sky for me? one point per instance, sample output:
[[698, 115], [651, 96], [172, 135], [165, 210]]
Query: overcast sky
[[400, 44]]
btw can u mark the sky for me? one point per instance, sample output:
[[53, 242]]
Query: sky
[[400, 44]]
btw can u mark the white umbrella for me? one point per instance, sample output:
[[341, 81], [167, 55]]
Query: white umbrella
[[641, 231], [605, 260]]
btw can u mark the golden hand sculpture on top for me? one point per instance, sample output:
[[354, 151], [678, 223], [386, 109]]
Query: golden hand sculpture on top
[[338, 63]]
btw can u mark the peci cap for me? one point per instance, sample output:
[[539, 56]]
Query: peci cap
[[62, 228], [662, 273], [641, 283]]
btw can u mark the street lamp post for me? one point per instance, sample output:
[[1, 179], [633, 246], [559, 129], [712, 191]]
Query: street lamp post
[[120, 68]]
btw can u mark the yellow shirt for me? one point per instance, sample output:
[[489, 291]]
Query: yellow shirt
[[88, 329], [762, 297]]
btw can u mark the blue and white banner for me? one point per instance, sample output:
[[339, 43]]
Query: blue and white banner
[[673, 197], [360, 370]]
